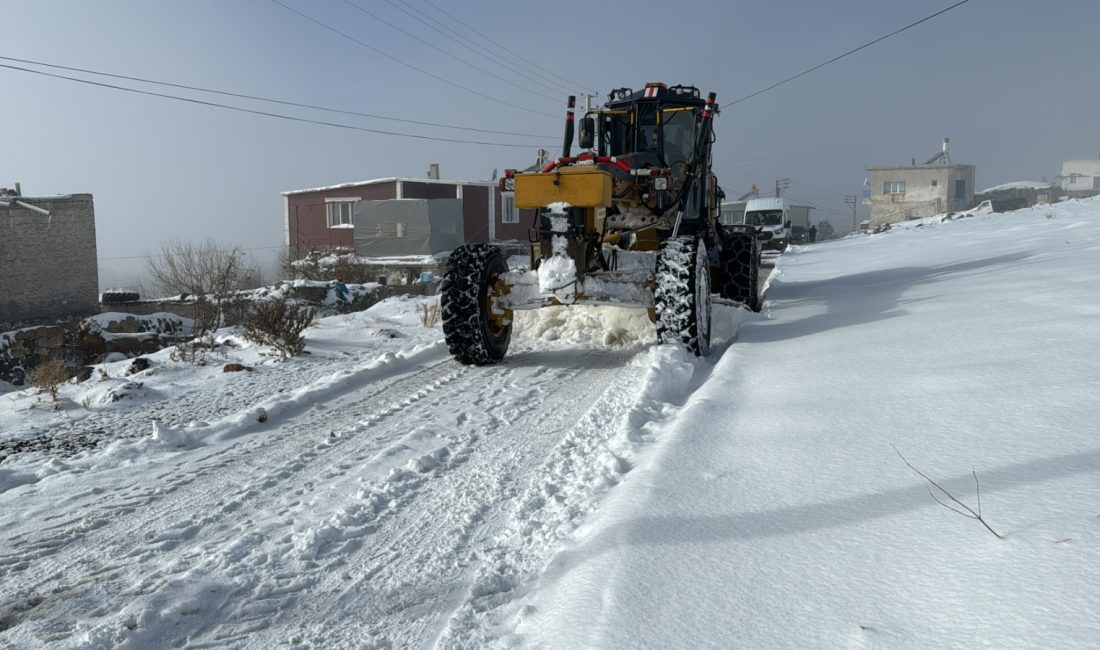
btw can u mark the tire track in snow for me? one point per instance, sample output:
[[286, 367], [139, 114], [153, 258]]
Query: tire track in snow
[[222, 534], [161, 515], [374, 378], [423, 552]]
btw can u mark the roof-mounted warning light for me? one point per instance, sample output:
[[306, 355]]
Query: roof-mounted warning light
[[652, 87]]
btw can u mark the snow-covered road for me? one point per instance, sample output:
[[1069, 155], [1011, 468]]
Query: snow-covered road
[[394, 504]]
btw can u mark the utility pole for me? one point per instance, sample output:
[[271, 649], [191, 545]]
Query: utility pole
[[852, 200], [780, 185]]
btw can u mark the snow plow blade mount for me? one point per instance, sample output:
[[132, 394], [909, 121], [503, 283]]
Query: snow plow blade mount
[[582, 187]]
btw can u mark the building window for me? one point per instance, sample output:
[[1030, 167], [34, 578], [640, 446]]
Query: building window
[[934, 183], [893, 187], [339, 213], [383, 231], [508, 211]]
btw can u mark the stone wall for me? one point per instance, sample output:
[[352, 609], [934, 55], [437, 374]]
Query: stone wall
[[23, 349], [48, 266], [314, 293]]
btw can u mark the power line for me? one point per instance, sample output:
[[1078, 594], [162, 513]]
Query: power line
[[469, 44], [265, 99], [848, 53], [501, 46], [446, 53], [226, 250], [816, 206], [799, 154], [291, 118], [406, 64], [820, 189]]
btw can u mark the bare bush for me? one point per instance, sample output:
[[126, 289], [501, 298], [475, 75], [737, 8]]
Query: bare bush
[[209, 274], [959, 507], [48, 377], [279, 324], [198, 269], [430, 314]]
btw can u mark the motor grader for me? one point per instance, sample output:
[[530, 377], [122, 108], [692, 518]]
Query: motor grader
[[630, 221]]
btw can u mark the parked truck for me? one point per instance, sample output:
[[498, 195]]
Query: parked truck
[[778, 223]]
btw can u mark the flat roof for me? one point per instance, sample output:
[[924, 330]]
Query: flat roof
[[54, 197], [875, 168], [390, 179]]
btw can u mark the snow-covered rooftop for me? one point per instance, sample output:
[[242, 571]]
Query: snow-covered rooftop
[[388, 179], [1019, 185]]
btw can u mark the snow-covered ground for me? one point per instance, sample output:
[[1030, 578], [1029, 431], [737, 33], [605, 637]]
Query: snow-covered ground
[[596, 491], [774, 511]]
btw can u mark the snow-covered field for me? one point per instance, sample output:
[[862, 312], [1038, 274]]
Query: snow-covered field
[[596, 491]]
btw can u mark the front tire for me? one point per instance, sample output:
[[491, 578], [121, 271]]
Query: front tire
[[740, 266], [682, 294], [475, 335]]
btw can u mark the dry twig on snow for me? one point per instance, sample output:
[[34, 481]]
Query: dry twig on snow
[[961, 508]]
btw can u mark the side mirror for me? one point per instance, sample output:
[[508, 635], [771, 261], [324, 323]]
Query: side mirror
[[588, 132], [788, 225]]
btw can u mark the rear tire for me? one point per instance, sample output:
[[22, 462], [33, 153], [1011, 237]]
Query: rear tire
[[740, 265], [473, 335], [682, 294]]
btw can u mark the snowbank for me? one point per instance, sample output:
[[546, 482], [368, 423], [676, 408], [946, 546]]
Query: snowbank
[[775, 511]]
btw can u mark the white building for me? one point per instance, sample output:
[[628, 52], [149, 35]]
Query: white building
[[1080, 176]]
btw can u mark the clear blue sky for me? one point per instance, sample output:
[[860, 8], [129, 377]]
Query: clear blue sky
[[1012, 82]]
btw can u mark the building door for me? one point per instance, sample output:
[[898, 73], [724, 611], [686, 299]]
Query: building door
[[960, 194]]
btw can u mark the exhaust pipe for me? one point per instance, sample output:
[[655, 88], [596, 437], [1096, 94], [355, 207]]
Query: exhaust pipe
[[705, 124], [567, 147]]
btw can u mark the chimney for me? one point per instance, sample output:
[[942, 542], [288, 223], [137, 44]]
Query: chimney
[[433, 171], [18, 189]]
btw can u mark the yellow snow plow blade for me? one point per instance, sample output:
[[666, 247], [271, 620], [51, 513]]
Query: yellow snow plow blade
[[582, 187]]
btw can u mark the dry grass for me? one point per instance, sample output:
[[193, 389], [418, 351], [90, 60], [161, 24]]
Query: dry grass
[[48, 377], [430, 314]]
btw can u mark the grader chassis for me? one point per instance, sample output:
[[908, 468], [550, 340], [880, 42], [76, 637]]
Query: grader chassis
[[631, 221]]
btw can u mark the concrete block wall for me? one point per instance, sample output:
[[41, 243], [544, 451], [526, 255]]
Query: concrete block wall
[[929, 190], [48, 266]]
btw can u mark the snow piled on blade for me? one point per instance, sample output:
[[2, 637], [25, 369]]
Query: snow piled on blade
[[584, 325]]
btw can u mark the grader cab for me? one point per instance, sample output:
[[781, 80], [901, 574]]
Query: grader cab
[[631, 221]]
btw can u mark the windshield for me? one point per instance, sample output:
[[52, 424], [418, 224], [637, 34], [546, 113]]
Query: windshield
[[679, 132], [765, 218], [620, 135]]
